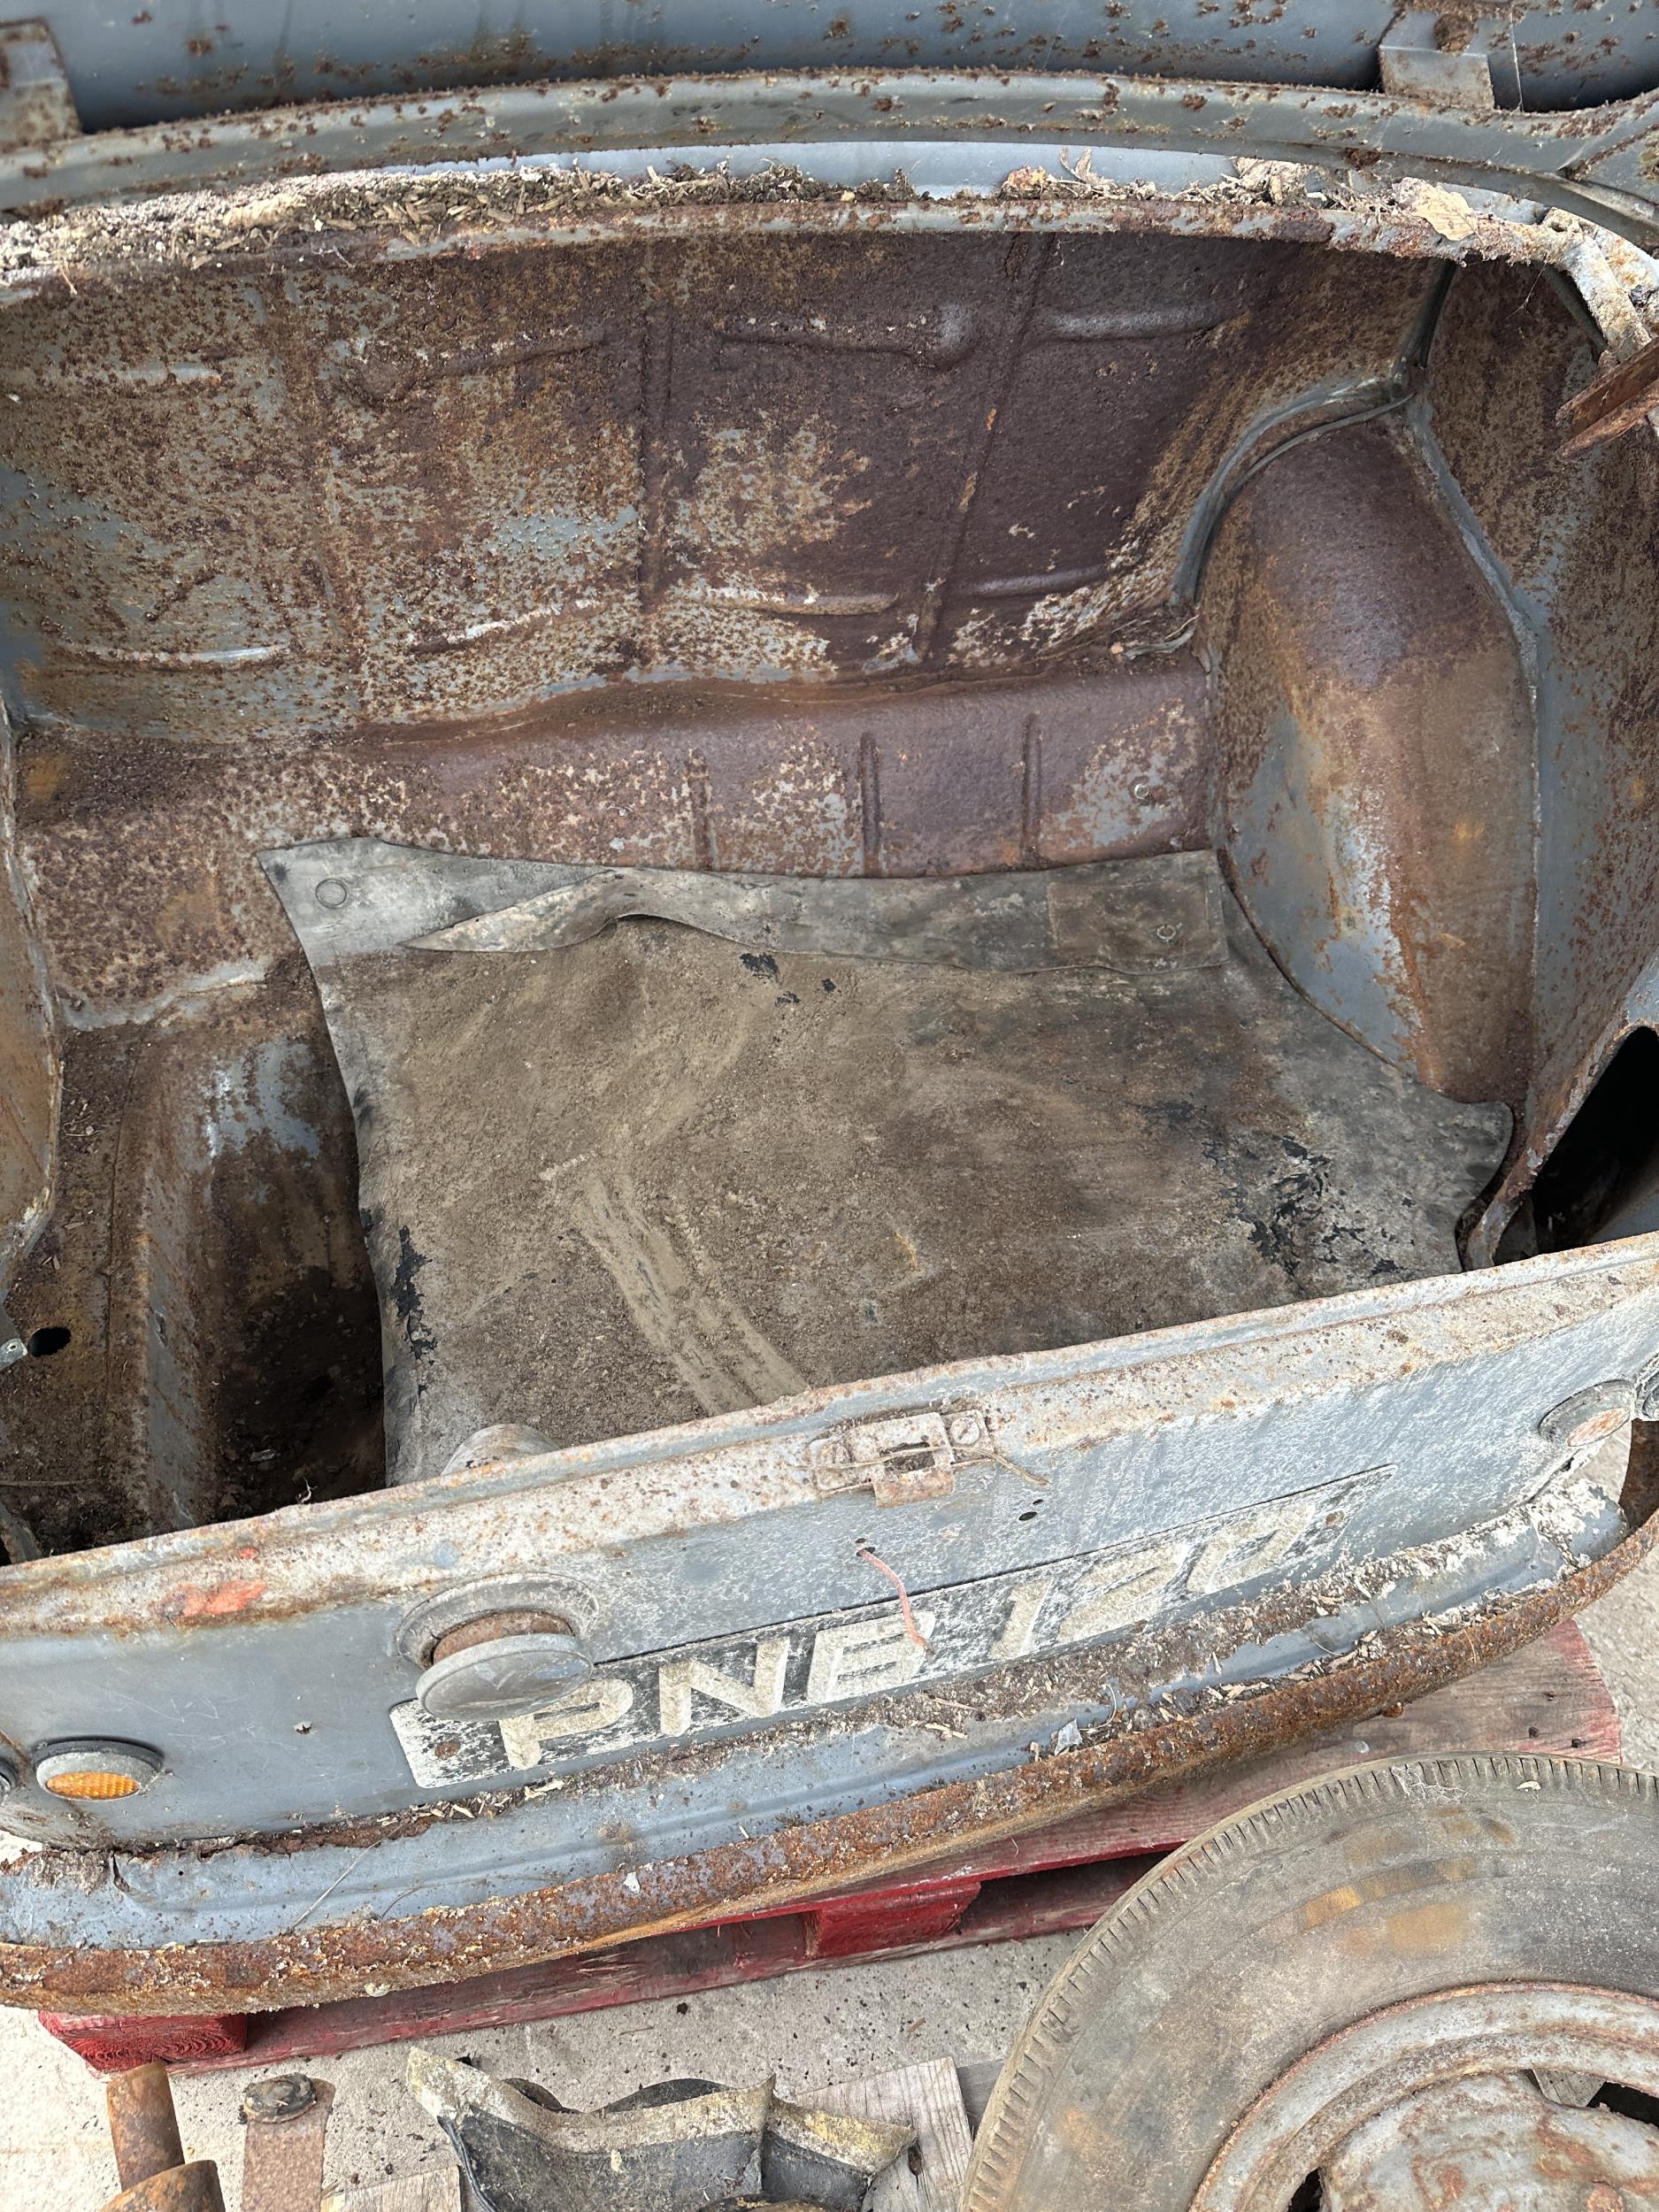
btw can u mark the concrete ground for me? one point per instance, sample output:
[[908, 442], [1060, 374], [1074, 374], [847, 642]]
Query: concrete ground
[[809, 2029]]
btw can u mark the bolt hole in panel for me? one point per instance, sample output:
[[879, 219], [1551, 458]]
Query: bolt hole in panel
[[878, 1366]]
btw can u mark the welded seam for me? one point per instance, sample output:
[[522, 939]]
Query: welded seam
[[17, 1237], [308, 415], [656, 343], [1478, 1236]]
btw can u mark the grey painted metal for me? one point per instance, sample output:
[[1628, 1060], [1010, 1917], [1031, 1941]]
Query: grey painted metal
[[1158, 915], [264, 1660], [36, 103], [1596, 162], [169, 60], [1415, 63], [1148, 916], [551, 1827]]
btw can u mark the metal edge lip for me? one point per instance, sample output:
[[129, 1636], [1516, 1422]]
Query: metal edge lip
[[320, 1961], [188, 1561], [1554, 154]]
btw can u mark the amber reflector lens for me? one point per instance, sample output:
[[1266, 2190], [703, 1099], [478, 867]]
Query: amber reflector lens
[[93, 1782]]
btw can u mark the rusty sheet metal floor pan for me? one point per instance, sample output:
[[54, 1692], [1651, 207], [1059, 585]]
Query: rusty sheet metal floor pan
[[616, 1181]]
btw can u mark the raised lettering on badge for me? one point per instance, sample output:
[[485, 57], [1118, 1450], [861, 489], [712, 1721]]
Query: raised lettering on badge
[[774, 1673]]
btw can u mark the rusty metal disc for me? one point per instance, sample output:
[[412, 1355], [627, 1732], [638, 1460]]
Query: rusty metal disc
[[1407, 1985]]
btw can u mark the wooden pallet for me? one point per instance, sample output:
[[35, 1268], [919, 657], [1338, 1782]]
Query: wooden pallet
[[1549, 1698]]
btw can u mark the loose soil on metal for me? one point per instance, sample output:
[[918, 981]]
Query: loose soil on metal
[[655, 1175]]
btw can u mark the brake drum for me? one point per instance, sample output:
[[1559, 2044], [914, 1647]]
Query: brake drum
[[1403, 1987]]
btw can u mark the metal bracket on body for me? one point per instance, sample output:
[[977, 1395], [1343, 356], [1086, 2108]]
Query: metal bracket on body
[[906, 1456], [36, 105], [1416, 64]]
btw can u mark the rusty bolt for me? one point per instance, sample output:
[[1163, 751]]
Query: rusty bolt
[[1588, 1416], [279, 2097], [493, 1627], [967, 1429]]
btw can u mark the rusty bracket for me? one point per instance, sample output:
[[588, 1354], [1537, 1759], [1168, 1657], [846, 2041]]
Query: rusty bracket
[[286, 2120], [907, 1456], [1417, 62]]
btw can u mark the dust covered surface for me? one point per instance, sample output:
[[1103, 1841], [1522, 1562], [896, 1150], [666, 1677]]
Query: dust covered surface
[[655, 1175], [367, 213]]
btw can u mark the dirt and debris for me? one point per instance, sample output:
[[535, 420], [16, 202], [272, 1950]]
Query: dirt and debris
[[192, 229], [356, 213], [701, 1189]]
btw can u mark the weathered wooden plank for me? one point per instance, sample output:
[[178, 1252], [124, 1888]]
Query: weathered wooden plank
[[928, 2099], [1615, 401], [436, 2190]]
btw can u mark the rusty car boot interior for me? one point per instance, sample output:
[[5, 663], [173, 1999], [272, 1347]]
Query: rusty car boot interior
[[737, 892], [718, 644]]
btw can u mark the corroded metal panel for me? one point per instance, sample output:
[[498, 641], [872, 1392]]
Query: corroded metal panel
[[254, 508], [325, 1914], [1577, 545], [1376, 784], [765, 522]]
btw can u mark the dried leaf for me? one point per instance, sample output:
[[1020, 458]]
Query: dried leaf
[[1447, 211]]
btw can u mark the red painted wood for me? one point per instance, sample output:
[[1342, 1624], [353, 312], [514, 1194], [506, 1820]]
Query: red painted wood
[[1549, 1698], [884, 1919], [111, 2044]]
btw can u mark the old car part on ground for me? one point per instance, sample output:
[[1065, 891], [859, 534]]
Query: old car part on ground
[[1408, 1985], [285, 2119], [150, 2161], [689, 2146], [1109, 531]]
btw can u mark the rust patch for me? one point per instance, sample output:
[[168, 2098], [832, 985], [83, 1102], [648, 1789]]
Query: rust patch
[[222, 1601]]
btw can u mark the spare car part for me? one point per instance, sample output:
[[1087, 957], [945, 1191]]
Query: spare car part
[[1408, 1985], [150, 2161]]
